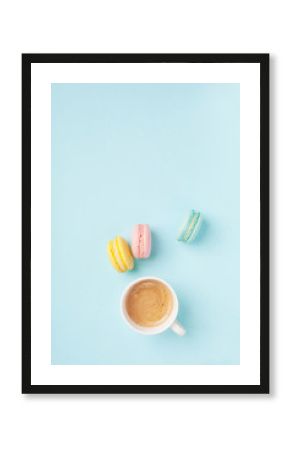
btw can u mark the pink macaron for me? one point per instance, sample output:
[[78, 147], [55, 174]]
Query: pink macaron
[[141, 241]]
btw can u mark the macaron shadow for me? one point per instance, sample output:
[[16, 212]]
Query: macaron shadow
[[202, 233], [155, 246]]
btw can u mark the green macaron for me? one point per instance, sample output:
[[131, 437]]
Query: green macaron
[[190, 227]]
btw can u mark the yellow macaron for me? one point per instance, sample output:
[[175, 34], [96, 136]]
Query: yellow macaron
[[120, 254]]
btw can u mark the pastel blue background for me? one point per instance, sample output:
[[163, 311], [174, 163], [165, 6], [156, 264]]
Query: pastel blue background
[[145, 153]]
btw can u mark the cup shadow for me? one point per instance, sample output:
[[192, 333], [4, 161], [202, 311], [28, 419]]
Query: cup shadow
[[186, 313]]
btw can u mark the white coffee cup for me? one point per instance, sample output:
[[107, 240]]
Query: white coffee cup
[[170, 322]]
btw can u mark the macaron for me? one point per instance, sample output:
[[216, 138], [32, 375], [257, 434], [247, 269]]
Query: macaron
[[190, 227], [141, 241], [120, 254]]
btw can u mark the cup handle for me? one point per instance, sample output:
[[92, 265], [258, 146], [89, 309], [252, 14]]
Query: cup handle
[[178, 328]]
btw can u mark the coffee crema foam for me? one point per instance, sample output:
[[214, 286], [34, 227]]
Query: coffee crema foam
[[149, 303]]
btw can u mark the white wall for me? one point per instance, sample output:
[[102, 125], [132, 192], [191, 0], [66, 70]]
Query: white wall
[[203, 422]]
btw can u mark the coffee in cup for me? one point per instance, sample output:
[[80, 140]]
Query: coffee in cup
[[149, 303]]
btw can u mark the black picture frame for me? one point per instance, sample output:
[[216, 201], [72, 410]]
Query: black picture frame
[[263, 60]]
